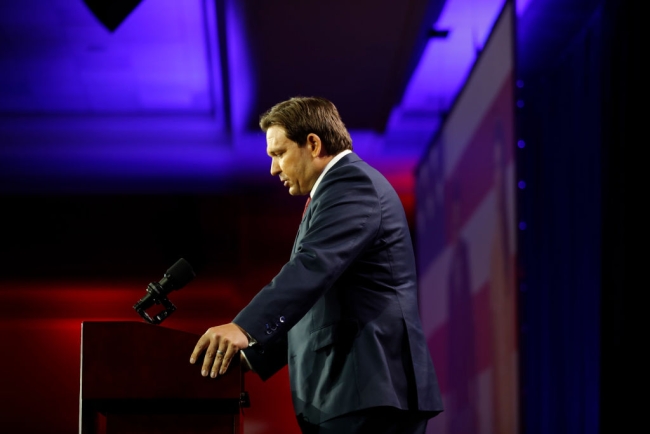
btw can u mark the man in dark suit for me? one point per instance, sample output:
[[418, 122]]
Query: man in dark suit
[[343, 312]]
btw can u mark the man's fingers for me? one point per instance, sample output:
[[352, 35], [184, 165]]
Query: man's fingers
[[207, 362], [218, 360], [198, 349], [227, 358]]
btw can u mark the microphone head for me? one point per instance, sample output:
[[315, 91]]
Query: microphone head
[[177, 276]]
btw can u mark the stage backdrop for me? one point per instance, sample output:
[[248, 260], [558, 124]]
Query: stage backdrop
[[466, 246]]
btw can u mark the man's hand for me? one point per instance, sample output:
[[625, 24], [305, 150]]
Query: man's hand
[[220, 344]]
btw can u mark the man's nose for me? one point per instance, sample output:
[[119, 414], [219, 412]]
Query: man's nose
[[275, 168]]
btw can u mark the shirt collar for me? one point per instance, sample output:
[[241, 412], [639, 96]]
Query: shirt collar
[[332, 162]]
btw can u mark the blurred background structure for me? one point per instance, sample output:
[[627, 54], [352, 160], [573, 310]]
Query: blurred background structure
[[129, 139]]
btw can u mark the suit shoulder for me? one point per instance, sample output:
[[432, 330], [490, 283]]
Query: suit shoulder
[[356, 167], [358, 170]]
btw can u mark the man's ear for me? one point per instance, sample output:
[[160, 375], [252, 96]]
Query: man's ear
[[315, 145]]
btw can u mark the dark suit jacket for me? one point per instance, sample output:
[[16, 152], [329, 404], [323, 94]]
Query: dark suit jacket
[[343, 312]]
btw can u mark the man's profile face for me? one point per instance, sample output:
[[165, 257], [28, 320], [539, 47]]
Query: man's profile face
[[292, 163]]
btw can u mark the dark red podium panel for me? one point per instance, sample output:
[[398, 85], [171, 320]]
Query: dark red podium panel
[[136, 379]]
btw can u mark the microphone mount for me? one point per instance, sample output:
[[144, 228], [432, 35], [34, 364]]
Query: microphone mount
[[177, 276]]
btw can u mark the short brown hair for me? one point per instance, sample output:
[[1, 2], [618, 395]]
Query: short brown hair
[[300, 116]]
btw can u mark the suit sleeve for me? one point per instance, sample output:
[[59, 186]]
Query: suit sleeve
[[342, 220], [267, 361]]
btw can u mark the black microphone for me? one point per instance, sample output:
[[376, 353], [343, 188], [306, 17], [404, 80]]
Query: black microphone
[[176, 277]]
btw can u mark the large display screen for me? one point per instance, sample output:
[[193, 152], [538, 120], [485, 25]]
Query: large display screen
[[466, 246]]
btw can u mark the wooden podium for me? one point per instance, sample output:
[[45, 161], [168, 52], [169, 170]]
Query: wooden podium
[[136, 378]]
